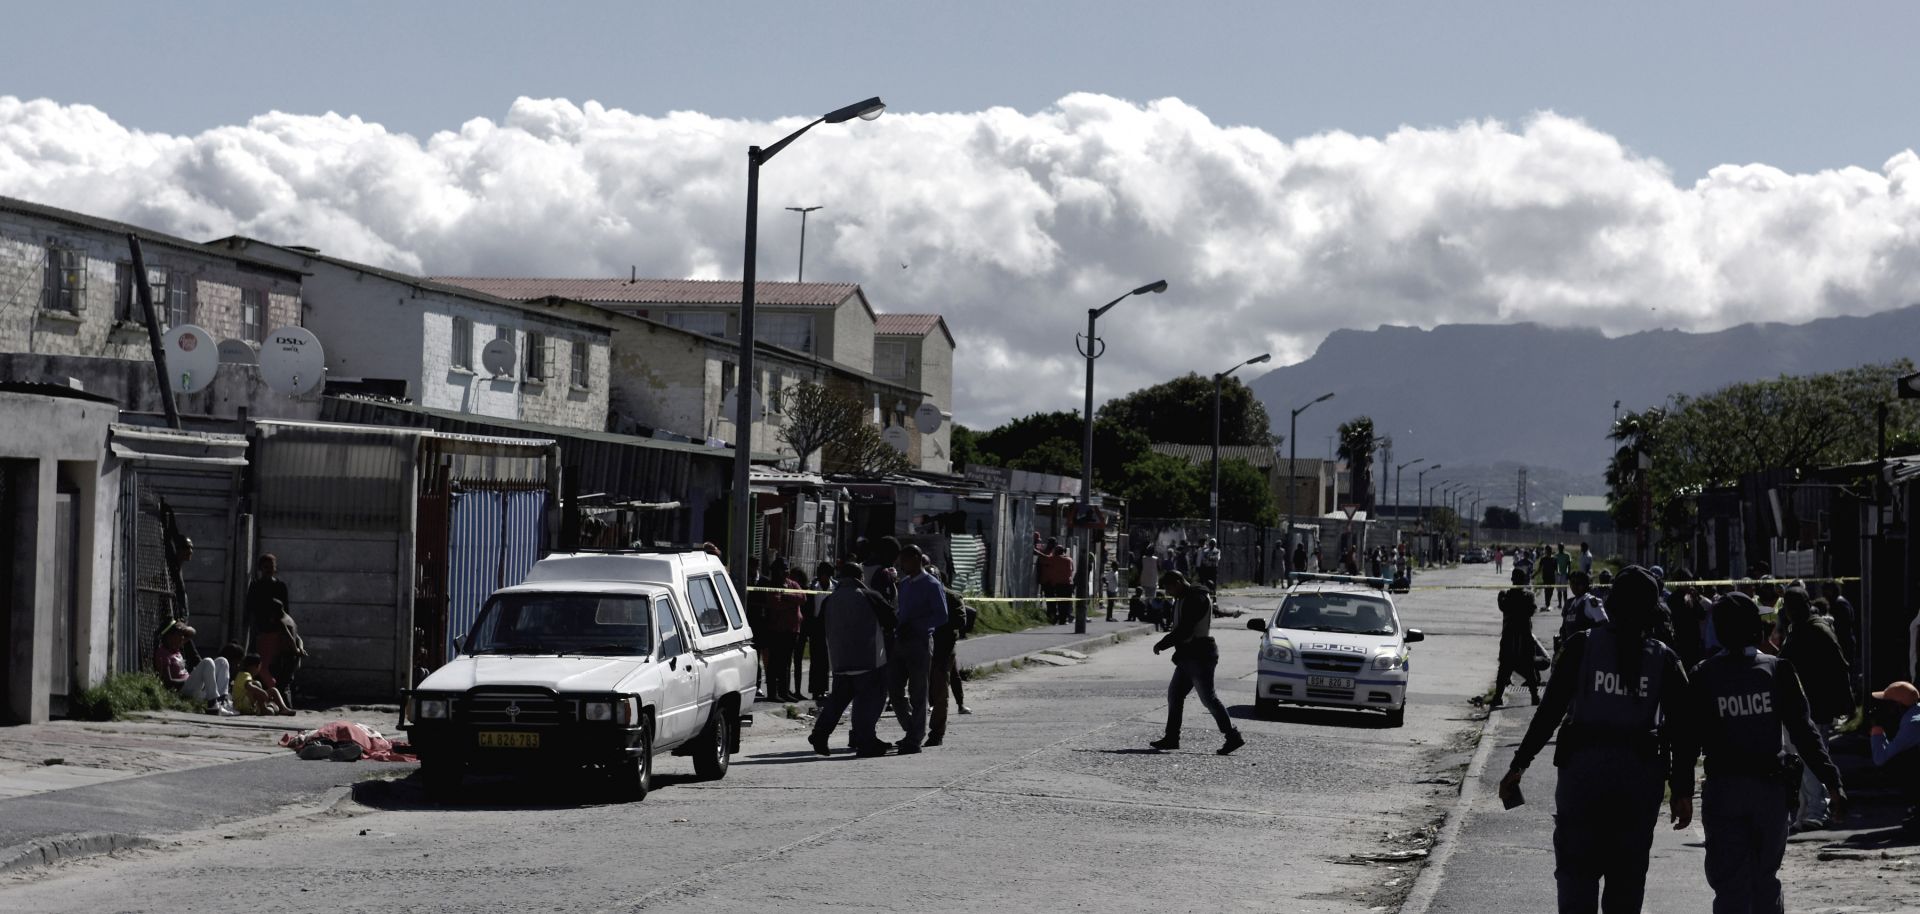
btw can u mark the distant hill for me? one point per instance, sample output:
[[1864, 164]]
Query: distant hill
[[1486, 395]]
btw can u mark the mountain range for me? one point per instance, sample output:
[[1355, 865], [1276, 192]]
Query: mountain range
[[1484, 399]]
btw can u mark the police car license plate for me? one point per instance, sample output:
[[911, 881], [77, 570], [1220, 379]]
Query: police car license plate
[[1329, 682], [498, 740]]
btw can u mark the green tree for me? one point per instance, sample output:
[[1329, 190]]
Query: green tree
[[1356, 448], [1180, 411], [1245, 494], [1636, 436], [1158, 485], [864, 453], [966, 450], [1498, 518]]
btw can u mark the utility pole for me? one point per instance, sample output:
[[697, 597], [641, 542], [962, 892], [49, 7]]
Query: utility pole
[[801, 274], [1520, 500]]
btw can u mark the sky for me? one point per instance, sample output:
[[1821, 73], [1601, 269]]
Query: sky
[[1289, 169]]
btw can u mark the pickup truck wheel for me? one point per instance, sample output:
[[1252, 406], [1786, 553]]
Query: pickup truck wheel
[[1266, 707], [1397, 717], [713, 751], [633, 778]]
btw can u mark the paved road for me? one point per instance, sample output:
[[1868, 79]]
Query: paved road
[[1044, 799]]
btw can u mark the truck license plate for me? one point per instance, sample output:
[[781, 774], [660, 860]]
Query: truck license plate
[[498, 740], [1329, 682]]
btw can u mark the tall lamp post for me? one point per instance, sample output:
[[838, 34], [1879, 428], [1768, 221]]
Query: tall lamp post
[[1219, 381], [1473, 518], [743, 391], [1094, 349], [1400, 472], [1293, 450], [800, 275]]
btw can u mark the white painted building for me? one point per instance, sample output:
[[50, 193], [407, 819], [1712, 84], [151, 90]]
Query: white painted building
[[418, 339], [917, 350]]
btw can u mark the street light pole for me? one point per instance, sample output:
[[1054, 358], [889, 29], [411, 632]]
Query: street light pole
[[1219, 380], [1094, 349], [801, 274], [1293, 480], [1399, 473], [742, 513]]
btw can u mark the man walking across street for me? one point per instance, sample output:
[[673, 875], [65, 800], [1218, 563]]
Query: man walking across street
[[1741, 700], [1615, 695], [1194, 657], [858, 623], [923, 608], [1516, 640]]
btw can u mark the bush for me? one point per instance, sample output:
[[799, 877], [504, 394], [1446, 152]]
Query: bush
[[999, 618], [126, 693]]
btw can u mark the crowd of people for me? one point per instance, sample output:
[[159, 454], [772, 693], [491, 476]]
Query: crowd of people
[[1655, 671], [876, 629]]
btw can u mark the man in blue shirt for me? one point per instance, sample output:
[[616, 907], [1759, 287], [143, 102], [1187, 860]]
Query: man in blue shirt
[[923, 608], [1900, 753]]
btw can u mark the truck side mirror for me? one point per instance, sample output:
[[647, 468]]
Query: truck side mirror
[[1415, 635], [1257, 624]]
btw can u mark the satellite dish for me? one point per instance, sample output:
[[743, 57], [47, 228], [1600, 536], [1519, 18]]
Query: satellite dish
[[729, 406], [238, 353], [192, 358], [897, 437], [927, 418], [291, 361], [498, 357]]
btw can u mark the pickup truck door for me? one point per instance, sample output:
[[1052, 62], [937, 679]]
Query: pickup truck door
[[675, 716]]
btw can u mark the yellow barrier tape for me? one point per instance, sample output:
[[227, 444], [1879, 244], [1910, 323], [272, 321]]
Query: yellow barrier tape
[[1735, 582], [969, 597]]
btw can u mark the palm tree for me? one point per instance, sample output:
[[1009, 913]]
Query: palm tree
[[1356, 448]]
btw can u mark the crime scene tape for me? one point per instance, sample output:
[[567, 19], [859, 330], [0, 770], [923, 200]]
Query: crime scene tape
[[1732, 582], [970, 598]]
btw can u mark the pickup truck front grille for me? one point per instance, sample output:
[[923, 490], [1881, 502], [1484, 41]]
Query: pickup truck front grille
[[1332, 663], [522, 710]]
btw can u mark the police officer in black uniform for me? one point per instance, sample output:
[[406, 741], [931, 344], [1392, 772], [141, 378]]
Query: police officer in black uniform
[[1614, 694], [1741, 699]]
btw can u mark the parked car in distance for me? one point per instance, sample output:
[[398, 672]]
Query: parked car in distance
[[1474, 556], [598, 661], [1336, 641]]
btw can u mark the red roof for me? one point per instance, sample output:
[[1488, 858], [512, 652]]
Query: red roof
[[660, 291], [905, 324]]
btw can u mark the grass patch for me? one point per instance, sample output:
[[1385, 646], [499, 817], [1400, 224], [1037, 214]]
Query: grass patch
[[1001, 618], [125, 693]]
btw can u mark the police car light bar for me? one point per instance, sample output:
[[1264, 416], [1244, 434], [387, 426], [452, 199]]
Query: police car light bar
[[1377, 583]]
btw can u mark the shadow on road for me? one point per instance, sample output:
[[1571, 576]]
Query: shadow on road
[[500, 792], [1315, 717]]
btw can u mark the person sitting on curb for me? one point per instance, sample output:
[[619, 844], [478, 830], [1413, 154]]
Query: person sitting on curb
[[206, 684], [1899, 754], [251, 697]]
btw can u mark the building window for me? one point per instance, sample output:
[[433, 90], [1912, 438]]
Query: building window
[[773, 393], [794, 331], [890, 360], [179, 299], [729, 378], [577, 364], [536, 357], [708, 322], [126, 299], [252, 315], [66, 282], [463, 343]]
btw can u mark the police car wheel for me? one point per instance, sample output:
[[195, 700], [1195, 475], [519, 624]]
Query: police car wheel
[[1397, 717]]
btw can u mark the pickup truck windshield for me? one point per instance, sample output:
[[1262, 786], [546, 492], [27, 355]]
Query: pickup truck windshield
[[563, 623], [1352, 614]]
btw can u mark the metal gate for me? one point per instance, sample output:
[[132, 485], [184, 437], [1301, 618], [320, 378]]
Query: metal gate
[[493, 539]]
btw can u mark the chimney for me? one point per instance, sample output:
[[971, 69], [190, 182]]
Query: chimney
[[634, 275]]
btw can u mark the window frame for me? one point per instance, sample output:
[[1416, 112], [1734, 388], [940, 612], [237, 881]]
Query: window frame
[[64, 263], [777, 328], [664, 612], [179, 292], [534, 361], [462, 343], [882, 363], [699, 615], [253, 315], [579, 368]]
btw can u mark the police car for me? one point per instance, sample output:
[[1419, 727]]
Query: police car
[[1336, 641]]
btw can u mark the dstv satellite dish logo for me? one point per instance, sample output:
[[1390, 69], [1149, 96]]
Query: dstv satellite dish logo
[[289, 341]]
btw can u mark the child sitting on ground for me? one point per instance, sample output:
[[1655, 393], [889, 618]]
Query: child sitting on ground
[[252, 697]]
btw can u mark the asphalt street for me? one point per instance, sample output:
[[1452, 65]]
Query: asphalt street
[[1046, 798]]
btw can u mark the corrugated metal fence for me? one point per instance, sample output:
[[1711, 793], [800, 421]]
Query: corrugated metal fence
[[494, 541]]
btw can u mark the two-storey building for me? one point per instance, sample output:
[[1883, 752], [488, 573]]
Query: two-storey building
[[917, 350]]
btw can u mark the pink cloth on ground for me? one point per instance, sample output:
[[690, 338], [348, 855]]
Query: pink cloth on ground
[[372, 747]]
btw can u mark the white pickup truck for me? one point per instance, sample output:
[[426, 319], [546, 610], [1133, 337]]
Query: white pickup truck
[[598, 661]]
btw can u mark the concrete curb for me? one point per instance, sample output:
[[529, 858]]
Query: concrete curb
[[1427, 884], [1084, 645], [60, 848]]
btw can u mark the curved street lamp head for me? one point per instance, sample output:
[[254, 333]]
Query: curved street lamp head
[[866, 111], [1262, 357], [1160, 286], [1323, 398]]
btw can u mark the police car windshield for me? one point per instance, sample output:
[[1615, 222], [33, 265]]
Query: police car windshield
[[1353, 614], [562, 623]]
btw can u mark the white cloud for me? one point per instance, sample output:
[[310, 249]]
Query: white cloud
[[1013, 224]]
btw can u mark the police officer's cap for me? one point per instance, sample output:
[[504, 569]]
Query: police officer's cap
[[1635, 588], [1736, 618]]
